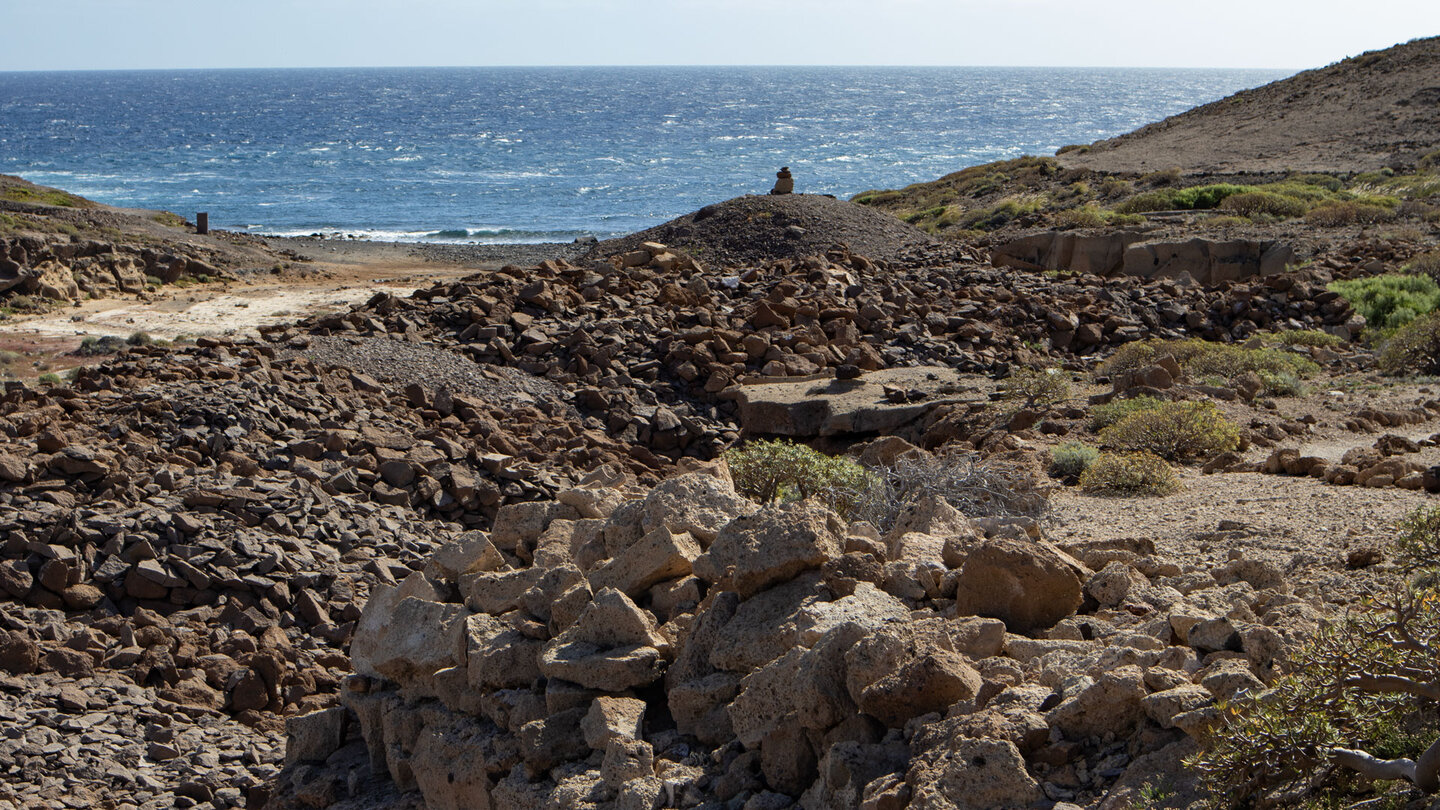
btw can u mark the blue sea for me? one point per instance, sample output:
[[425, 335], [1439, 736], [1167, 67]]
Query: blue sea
[[549, 154]]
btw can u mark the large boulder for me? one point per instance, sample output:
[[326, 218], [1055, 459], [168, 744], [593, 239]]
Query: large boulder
[[1028, 584], [772, 546]]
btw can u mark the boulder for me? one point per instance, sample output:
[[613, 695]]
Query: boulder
[[1029, 585], [697, 503], [950, 773], [771, 546], [656, 557]]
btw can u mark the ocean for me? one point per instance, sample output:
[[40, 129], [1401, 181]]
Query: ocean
[[496, 155]]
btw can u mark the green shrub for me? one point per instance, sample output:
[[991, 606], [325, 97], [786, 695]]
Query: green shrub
[[1175, 431], [94, 347], [769, 471], [1251, 203], [1037, 387], [1339, 213], [49, 379], [1282, 384], [1071, 459], [1325, 181], [1360, 694], [1413, 349], [140, 339], [1389, 301], [1194, 198], [1103, 416], [1129, 474], [1203, 358], [1308, 337]]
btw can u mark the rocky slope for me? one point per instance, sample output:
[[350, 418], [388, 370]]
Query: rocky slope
[[1378, 109], [56, 247]]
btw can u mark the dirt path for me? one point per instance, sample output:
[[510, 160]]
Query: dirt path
[[30, 346]]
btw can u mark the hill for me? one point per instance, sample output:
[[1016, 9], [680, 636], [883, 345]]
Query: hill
[[1379, 109], [755, 229]]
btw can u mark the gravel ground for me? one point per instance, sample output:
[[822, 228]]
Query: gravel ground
[[401, 363]]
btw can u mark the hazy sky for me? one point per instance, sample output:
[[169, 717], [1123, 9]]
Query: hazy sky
[[96, 34]]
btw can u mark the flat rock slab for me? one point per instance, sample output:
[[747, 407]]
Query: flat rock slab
[[824, 406]]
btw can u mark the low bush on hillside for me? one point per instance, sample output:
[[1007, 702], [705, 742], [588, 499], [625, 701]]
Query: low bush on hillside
[[1308, 337], [1425, 264], [1129, 474], [1282, 384], [1325, 181], [1339, 213], [1001, 214], [1252, 203], [1175, 431], [1202, 358], [1093, 216], [1103, 416], [95, 347], [770, 471], [1389, 301], [1413, 349], [1181, 199], [1037, 388], [1071, 459], [1360, 700]]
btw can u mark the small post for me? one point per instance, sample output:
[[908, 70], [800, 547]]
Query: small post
[[202, 223]]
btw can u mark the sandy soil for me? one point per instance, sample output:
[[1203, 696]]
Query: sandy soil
[[339, 273]]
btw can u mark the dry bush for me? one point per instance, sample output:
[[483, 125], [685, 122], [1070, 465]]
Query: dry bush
[[1347, 212], [1129, 474], [1360, 699], [1413, 349], [976, 488]]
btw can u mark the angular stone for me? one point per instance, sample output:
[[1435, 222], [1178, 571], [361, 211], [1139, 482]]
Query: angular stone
[[656, 557]]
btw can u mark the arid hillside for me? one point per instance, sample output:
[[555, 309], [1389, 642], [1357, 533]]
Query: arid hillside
[[1379, 109]]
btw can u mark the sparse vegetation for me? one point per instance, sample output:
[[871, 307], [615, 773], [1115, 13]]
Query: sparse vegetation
[[1175, 431], [1071, 459], [42, 196], [1103, 416], [1390, 301], [770, 471], [1041, 388], [1413, 349], [1308, 337], [975, 487], [1339, 213], [1131, 474], [1203, 358]]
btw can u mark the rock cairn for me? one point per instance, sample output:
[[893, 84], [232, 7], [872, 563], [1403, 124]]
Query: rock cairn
[[683, 647]]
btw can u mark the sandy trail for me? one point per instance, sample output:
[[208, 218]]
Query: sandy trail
[[231, 308]]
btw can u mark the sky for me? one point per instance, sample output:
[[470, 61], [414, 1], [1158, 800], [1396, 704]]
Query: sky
[[129, 34]]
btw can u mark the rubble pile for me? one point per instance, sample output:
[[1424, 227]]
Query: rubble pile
[[683, 647]]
